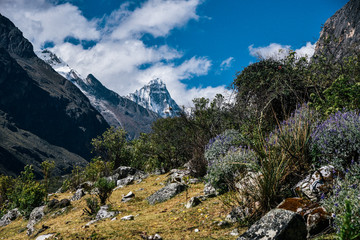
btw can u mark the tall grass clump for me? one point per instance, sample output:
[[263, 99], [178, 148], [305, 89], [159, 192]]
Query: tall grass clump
[[284, 157], [336, 141]]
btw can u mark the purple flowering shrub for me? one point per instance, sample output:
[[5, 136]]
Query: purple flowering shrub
[[336, 141], [344, 203], [226, 159]]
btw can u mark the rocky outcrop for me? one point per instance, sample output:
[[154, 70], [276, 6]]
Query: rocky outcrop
[[340, 35], [277, 224], [35, 216], [42, 108], [105, 213], [316, 185], [10, 216], [166, 193], [78, 195]]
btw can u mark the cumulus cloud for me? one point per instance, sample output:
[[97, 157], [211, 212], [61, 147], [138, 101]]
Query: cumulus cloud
[[277, 51], [273, 51], [226, 64], [119, 58], [156, 17]]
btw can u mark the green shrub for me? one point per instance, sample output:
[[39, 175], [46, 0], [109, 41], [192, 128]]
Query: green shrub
[[27, 193], [342, 94], [6, 187], [104, 189], [344, 204], [97, 168], [112, 146], [93, 207], [336, 140], [74, 179]]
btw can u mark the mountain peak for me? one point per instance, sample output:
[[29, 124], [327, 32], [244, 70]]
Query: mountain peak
[[155, 97]]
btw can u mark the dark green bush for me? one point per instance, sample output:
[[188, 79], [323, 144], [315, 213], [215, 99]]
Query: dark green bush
[[104, 189]]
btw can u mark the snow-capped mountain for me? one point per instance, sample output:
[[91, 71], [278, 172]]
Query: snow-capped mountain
[[117, 111], [155, 97]]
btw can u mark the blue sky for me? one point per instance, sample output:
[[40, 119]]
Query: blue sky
[[195, 46]]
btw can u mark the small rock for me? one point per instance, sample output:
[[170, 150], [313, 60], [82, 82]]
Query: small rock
[[223, 224], [43, 237], [78, 195], [114, 219], [196, 230], [140, 189], [237, 214], [128, 197], [52, 203], [89, 223], [104, 213], [178, 175], [157, 237], [234, 232], [64, 203], [209, 190], [86, 185], [194, 181], [194, 201], [128, 218]]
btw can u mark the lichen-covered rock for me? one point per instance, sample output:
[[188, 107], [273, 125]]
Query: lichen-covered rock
[[237, 214], [10, 216], [193, 202], [166, 193], [316, 217], [278, 224], [105, 213], [35, 216], [124, 171], [125, 181], [78, 195], [316, 184]]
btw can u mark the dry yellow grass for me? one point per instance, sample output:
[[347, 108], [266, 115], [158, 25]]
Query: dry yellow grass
[[169, 219]]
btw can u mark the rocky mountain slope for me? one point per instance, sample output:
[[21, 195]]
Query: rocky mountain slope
[[156, 97], [43, 115], [340, 35], [117, 111]]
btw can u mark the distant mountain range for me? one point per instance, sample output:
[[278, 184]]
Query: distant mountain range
[[118, 111], [156, 97]]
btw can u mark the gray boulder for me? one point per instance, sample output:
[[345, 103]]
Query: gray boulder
[[125, 181], [105, 213], [277, 224], [166, 193], [10, 216], [78, 195], [124, 171], [35, 216]]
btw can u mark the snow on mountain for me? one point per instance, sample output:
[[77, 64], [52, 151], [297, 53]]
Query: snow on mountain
[[155, 97], [117, 111]]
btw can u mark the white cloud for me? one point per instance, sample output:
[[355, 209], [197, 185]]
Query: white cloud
[[277, 51], [119, 56], [156, 17], [306, 51], [273, 51], [226, 64]]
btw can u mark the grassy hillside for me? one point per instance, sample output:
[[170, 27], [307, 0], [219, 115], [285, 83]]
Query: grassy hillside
[[169, 219]]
